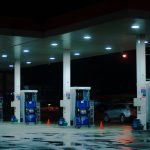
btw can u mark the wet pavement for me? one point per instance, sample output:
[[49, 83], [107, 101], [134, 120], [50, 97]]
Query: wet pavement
[[43, 137]]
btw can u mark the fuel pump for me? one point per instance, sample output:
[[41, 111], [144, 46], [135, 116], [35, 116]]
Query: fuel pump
[[28, 106], [142, 102], [81, 108]]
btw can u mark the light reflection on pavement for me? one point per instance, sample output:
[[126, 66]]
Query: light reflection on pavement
[[42, 137]]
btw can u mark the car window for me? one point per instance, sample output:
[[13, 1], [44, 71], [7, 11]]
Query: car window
[[119, 106], [116, 107], [122, 106]]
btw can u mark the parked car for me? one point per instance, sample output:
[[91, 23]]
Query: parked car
[[121, 112]]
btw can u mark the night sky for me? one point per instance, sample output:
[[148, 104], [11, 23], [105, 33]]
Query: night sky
[[43, 9]]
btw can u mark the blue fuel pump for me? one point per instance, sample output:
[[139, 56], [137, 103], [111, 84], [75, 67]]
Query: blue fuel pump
[[29, 106], [30, 111], [83, 109], [79, 107], [82, 113]]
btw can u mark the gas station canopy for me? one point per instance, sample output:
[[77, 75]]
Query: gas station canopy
[[92, 30]]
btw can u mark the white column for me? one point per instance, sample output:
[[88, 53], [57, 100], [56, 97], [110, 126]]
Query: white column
[[66, 79], [66, 74], [16, 102], [17, 89], [141, 78], [66, 86]]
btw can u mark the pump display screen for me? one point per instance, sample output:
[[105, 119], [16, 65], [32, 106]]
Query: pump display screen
[[79, 95], [28, 96]]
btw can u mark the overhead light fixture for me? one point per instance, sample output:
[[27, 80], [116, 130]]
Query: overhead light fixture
[[108, 48], [52, 58], [4, 56], [28, 62], [26, 51], [54, 44], [11, 66], [87, 37], [146, 42], [77, 54], [135, 26]]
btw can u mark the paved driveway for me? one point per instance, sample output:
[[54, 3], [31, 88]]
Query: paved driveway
[[43, 137]]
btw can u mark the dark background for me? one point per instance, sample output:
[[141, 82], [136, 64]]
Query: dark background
[[106, 75]]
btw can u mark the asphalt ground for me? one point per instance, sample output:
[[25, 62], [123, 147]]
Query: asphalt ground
[[52, 137]]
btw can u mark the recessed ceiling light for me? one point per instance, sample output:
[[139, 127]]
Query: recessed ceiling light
[[11, 66], [28, 62], [52, 58], [135, 26], [4, 56], [76, 54], [108, 48], [54, 44], [87, 37], [146, 42], [25, 50]]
